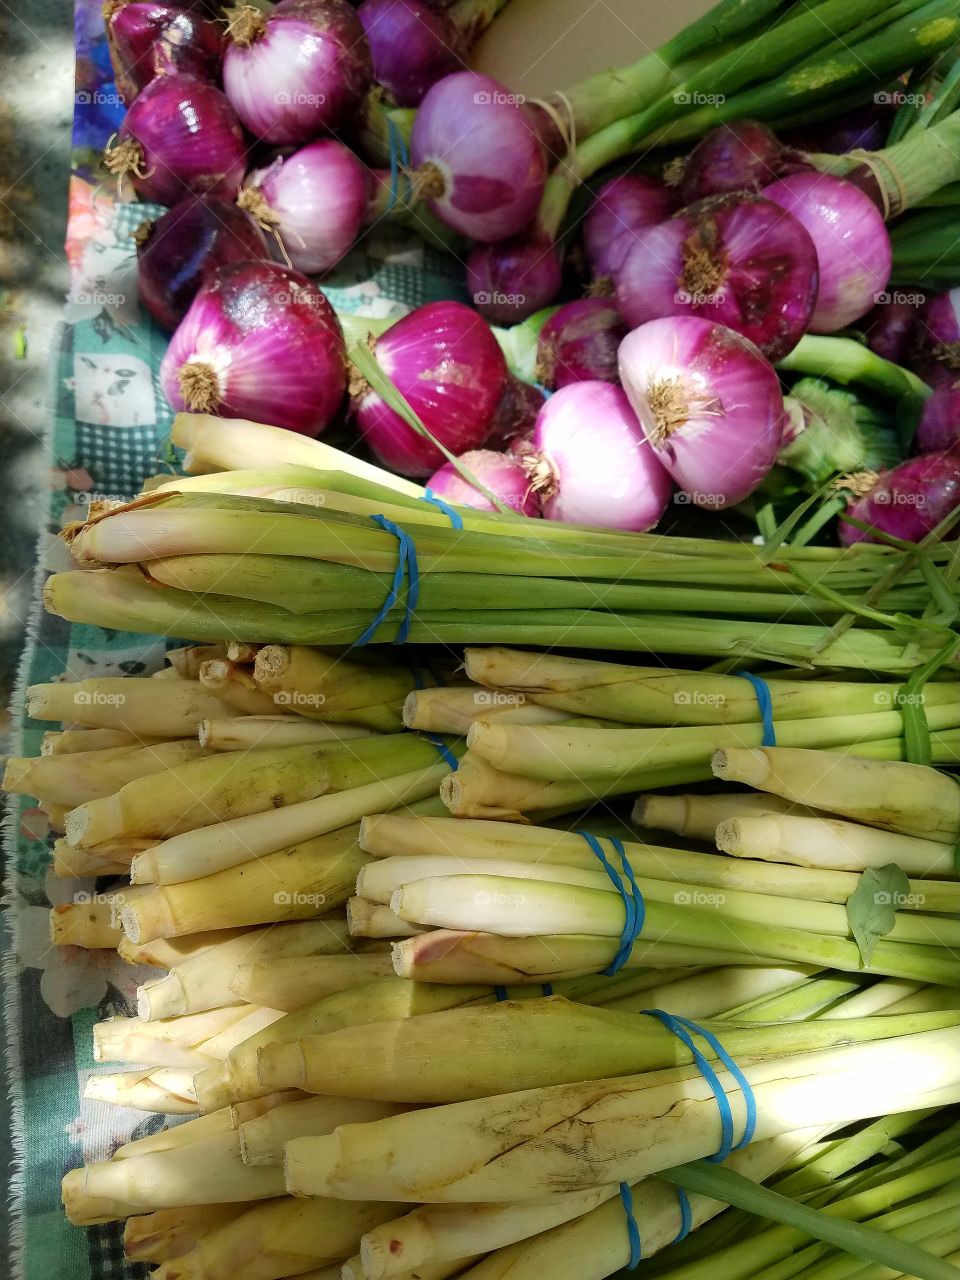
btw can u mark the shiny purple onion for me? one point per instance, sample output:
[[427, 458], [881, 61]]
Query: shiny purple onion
[[502, 474], [621, 208], [739, 260], [939, 425], [516, 414], [743, 155], [262, 342], [179, 138], [889, 329], [477, 157], [184, 246], [512, 279], [937, 333], [297, 72], [709, 403], [412, 47], [445, 361], [579, 343], [909, 501], [151, 39], [853, 248]]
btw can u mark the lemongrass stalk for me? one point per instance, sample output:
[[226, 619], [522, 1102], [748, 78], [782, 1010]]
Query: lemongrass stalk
[[290, 982], [234, 686], [169, 1233], [263, 1138], [600, 989], [936, 1232], [72, 779], [173, 1042], [369, 919], [203, 981], [307, 880], [352, 1269], [243, 732], [134, 705], [455, 710], [389, 835], [823, 841], [323, 687], [281, 1237], [238, 841], [479, 1052], [92, 920], [65, 742], [908, 798], [56, 815], [713, 993], [167, 1089], [381, 877], [187, 659], [386, 1001], [181, 1176], [198, 1128], [113, 857], [477, 790], [697, 816], [619, 1130], [807, 999], [931, 997], [214, 789], [170, 954]]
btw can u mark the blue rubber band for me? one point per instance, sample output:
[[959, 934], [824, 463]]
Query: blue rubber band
[[548, 988], [444, 750], [684, 1029], [633, 1230], [765, 703], [686, 1216], [501, 993], [634, 908], [408, 568], [455, 518], [399, 160]]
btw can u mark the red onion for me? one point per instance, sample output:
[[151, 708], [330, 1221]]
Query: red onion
[[622, 207], [314, 200], [591, 463], [180, 137], [709, 403], [297, 72], [737, 259], [504, 476], [184, 246], [889, 328], [412, 46], [937, 333], [853, 248], [147, 40], [516, 414], [939, 425], [743, 155], [864, 128], [512, 279], [909, 501], [261, 342], [477, 157], [447, 364], [579, 343]]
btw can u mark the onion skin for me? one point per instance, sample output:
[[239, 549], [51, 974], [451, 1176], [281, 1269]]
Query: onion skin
[[185, 245], [304, 75], [515, 415], [709, 403], [743, 155], [475, 140], [147, 40], [939, 426], [890, 330], [622, 207], [853, 248], [412, 47], [937, 334], [503, 475], [909, 501], [190, 138], [512, 279], [269, 345], [579, 343], [593, 462], [739, 260], [448, 365], [319, 196]]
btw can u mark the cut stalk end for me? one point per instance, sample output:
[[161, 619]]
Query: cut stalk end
[[200, 386]]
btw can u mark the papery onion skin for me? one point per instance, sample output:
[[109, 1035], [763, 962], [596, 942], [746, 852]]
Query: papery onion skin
[[445, 361], [937, 333], [622, 207], [304, 75], [484, 158], [909, 501], [503, 476], [890, 329], [269, 344], [319, 196], [579, 343], [515, 415], [190, 138], [853, 247], [184, 246], [743, 155], [593, 462], [147, 40], [412, 47], [709, 403], [939, 425], [739, 260], [512, 279]]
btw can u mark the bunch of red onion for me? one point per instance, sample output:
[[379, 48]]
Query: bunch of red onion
[[151, 39], [504, 477]]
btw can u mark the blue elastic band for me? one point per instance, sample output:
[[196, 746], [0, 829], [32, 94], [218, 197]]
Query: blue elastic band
[[684, 1029], [455, 518], [442, 747], [633, 905], [399, 160], [765, 703], [633, 1230], [686, 1216], [501, 993], [406, 567], [548, 988]]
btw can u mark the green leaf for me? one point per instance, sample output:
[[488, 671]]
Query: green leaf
[[872, 907]]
